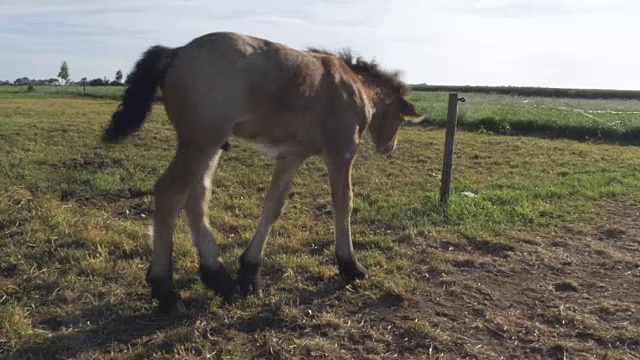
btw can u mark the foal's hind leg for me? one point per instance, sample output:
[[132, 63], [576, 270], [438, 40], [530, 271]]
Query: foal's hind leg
[[282, 178], [170, 193], [212, 270]]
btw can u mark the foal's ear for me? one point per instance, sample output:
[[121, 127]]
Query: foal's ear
[[406, 108]]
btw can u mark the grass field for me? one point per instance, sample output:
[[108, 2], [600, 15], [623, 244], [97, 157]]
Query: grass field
[[534, 91], [102, 92], [543, 263], [577, 119], [612, 120]]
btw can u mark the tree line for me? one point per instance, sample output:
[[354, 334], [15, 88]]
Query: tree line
[[64, 78]]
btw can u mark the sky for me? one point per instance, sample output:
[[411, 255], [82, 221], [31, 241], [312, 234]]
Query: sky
[[550, 43]]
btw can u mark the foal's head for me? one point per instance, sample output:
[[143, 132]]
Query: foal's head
[[387, 93]]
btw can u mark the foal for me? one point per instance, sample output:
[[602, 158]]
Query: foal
[[295, 103]]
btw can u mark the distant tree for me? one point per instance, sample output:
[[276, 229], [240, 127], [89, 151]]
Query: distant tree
[[21, 81], [127, 81], [96, 82], [119, 75], [63, 74]]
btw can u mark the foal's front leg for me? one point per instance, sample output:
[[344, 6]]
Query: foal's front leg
[[282, 178], [339, 167]]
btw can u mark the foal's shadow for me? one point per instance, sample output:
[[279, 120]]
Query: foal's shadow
[[269, 316], [328, 294], [112, 328], [106, 327]]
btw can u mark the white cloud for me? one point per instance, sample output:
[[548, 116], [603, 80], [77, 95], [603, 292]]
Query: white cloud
[[567, 43]]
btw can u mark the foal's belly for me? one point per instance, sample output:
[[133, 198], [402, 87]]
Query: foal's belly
[[277, 138]]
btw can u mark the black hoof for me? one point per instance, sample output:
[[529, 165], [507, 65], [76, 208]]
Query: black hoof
[[219, 281], [248, 279], [173, 310], [351, 269], [169, 301]]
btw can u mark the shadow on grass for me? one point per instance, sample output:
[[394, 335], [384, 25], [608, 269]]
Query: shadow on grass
[[112, 328], [105, 327]]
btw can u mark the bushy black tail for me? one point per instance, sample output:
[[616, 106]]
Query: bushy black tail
[[146, 76]]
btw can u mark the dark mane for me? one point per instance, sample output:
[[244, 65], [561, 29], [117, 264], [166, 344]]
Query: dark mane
[[370, 69]]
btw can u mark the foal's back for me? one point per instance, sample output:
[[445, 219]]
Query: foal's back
[[259, 90]]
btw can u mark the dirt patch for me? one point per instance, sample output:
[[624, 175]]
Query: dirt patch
[[11, 229], [611, 234], [130, 193], [90, 162], [620, 227], [9, 269], [136, 210], [564, 286], [322, 210], [491, 247], [569, 294]]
